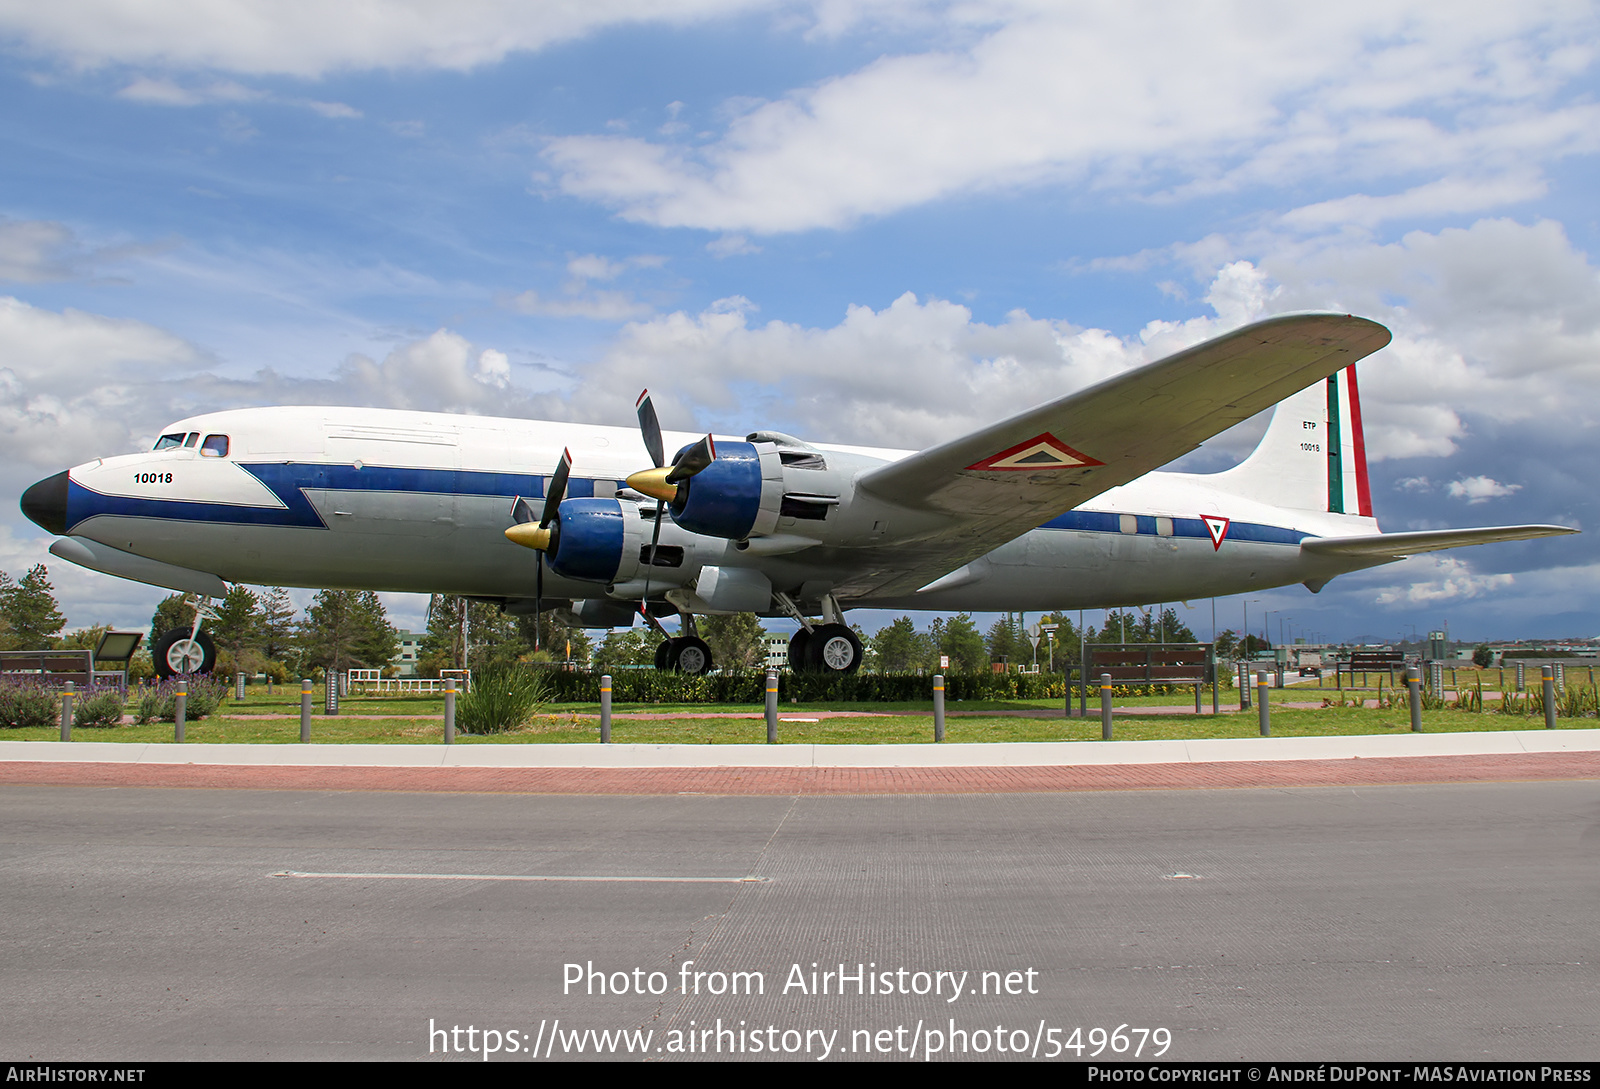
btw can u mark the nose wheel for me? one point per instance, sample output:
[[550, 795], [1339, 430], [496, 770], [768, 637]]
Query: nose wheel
[[179, 654]]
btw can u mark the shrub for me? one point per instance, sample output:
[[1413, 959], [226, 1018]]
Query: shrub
[[502, 698], [99, 709], [160, 704], [27, 704]]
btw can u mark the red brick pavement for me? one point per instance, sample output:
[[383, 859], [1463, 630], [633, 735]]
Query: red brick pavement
[[916, 780]]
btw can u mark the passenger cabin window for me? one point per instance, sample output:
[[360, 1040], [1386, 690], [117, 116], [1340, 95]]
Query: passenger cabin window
[[215, 446], [167, 442], [194, 437]]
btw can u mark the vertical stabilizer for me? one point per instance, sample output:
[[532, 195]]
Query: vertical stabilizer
[[1313, 455]]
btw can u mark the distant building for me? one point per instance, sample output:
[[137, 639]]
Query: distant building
[[405, 662], [777, 650]]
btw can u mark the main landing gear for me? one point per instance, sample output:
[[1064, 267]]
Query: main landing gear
[[686, 653], [829, 647], [826, 648]]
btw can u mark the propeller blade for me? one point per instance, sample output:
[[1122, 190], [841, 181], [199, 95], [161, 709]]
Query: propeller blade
[[650, 427], [557, 489], [522, 511], [694, 460], [538, 603]]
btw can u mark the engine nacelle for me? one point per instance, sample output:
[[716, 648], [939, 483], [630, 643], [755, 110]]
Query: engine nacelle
[[737, 495], [608, 541], [593, 539]]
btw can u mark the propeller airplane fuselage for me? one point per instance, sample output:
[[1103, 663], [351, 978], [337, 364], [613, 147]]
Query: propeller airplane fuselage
[[1059, 507]]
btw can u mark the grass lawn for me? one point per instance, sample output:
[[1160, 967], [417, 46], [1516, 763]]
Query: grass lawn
[[263, 719]]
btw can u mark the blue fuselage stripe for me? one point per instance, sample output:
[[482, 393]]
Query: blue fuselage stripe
[[290, 480]]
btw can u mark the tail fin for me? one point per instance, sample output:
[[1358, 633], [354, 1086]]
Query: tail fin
[[1313, 455]]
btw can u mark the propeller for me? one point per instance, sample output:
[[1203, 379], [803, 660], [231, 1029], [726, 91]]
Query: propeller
[[661, 482], [537, 536]]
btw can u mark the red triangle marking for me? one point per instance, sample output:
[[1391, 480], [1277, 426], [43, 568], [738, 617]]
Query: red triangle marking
[[1043, 451], [1217, 526]]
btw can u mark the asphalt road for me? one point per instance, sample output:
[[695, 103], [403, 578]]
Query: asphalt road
[[1429, 922]]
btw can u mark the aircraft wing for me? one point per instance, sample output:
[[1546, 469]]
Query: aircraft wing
[[1001, 481], [1397, 546]]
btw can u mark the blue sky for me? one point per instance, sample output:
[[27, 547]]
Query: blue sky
[[857, 221]]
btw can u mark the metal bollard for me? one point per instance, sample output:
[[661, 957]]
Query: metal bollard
[[66, 713], [938, 706], [305, 710], [1244, 686], [1264, 710], [1105, 707], [238, 687], [1414, 687], [181, 708], [1549, 697], [330, 702], [605, 709], [772, 707], [1561, 678], [450, 711], [1520, 686]]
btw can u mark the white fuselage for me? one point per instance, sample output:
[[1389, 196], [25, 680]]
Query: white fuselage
[[415, 501]]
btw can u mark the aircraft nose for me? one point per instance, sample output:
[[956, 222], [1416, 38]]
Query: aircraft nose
[[45, 503]]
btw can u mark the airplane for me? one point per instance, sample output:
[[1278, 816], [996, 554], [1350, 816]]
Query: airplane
[[1062, 506]]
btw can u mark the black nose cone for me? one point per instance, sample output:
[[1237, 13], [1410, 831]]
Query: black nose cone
[[46, 503]]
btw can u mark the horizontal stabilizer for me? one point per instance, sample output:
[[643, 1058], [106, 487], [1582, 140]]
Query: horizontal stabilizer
[[1396, 546]]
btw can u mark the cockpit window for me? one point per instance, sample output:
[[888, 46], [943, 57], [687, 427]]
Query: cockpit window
[[215, 446], [167, 442], [194, 437]]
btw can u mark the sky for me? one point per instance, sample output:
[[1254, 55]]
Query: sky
[[859, 221]]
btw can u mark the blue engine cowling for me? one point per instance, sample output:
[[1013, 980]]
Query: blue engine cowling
[[588, 539], [736, 495]]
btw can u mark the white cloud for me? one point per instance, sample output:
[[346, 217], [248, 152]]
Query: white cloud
[[906, 375], [167, 92], [313, 38], [731, 245], [338, 111], [594, 305], [1446, 196], [439, 373], [1208, 101], [1480, 489], [32, 251], [1450, 579]]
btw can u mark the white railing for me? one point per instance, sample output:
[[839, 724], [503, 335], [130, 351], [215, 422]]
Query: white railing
[[372, 681]]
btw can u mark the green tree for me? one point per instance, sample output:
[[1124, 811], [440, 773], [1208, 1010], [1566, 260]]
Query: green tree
[[83, 638], [900, 648], [173, 612], [347, 629], [28, 611], [634, 646], [959, 638], [737, 641], [275, 622], [1008, 642], [236, 627], [1482, 656]]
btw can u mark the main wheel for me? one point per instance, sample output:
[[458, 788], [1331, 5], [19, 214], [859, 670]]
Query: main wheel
[[797, 651], [690, 655], [177, 655], [834, 648], [664, 653]]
